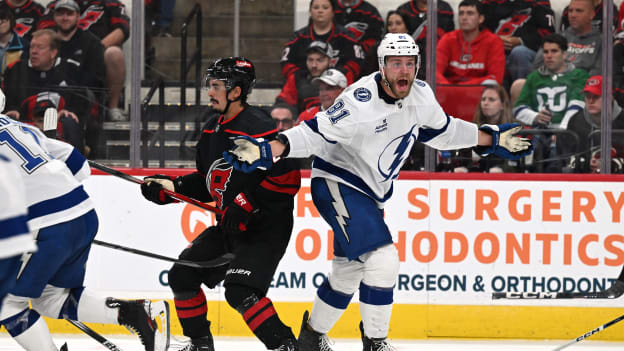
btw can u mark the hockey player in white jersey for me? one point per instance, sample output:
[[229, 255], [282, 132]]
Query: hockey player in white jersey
[[63, 222], [15, 238], [360, 144]]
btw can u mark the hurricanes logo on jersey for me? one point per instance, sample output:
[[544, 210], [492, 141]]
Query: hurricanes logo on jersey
[[218, 179], [394, 154]]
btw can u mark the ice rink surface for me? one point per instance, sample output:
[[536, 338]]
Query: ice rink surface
[[131, 343]]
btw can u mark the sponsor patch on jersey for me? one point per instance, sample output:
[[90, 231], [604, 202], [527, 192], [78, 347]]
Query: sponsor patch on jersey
[[362, 94], [420, 83]]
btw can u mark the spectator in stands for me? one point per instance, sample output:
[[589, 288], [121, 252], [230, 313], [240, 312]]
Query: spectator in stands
[[68, 128], [470, 55], [299, 91], [78, 45], [397, 22], [45, 74], [164, 18], [347, 52], [11, 45], [27, 15], [586, 124], [366, 25], [106, 19], [284, 116], [552, 93], [596, 21], [494, 108], [330, 84], [550, 96], [584, 41], [521, 25], [416, 13]]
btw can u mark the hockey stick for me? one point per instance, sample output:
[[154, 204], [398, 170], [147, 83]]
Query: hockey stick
[[172, 194], [590, 333], [552, 295], [613, 292], [216, 262], [50, 121], [95, 335]]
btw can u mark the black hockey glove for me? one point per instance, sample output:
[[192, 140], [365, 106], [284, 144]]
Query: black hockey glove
[[236, 215], [154, 189]]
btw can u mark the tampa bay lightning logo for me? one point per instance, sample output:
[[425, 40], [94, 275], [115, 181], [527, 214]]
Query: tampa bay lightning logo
[[362, 94], [420, 83], [394, 154]]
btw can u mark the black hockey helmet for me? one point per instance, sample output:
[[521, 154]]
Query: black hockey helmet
[[233, 71]]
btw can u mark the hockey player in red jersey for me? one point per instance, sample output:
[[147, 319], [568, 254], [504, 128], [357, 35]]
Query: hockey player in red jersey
[[257, 215]]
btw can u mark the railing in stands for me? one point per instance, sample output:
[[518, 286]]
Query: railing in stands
[[158, 85], [185, 67]]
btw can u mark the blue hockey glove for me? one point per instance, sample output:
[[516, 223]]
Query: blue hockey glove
[[248, 154], [236, 215], [504, 144]]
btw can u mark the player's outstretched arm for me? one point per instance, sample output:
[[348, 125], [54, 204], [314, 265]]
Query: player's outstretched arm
[[249, 154], [500, 140]]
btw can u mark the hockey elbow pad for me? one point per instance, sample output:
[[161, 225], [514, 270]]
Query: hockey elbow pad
[[504, 144], [154, 188], [237, 214]]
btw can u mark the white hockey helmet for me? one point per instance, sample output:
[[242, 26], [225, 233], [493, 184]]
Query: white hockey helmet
[[397, 44]]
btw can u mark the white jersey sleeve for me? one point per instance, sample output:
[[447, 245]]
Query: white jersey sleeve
[[309, 138], [52, 172], [366, 136], [15, 237]]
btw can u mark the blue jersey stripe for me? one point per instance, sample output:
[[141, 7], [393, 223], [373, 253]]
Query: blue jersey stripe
[[57, 204], [313, 124], [13, 226], [426, 134], [349, 177], [75, 161], [373, 295], [332, 297]]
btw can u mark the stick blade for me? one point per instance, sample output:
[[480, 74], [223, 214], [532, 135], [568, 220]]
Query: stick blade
[[159, 312], [50, 122]]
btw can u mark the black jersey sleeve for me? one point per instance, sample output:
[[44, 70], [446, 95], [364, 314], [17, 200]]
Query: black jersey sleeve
[[193, 185]]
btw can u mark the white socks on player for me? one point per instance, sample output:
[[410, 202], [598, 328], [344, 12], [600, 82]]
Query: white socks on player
[[36, 338], [92, 309]]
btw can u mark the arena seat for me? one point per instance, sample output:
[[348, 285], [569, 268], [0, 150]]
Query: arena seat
[[459, 101]]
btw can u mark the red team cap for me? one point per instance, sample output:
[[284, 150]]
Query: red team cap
[[594, 85]]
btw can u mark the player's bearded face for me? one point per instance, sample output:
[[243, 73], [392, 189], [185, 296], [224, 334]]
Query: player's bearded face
[[400, 72], [217, 94]]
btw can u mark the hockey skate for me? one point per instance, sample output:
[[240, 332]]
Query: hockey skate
[[615, 290], [149, 320], [204, 343], [372, 344], [288, 345], [309, 340]]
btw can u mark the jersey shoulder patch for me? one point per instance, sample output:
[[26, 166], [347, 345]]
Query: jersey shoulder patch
[[362, 94], [420, 83]]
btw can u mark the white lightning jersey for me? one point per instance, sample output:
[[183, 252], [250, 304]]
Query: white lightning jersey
[[15, 237], [366, 136], [51, 170]]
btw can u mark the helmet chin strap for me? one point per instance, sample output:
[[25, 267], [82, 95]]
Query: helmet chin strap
[[227, 106]]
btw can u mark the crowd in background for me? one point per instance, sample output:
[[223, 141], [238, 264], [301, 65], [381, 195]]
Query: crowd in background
[[506, 62], [68, 56]]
